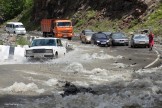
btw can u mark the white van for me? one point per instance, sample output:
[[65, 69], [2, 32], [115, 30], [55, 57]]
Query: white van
[[15, 27]]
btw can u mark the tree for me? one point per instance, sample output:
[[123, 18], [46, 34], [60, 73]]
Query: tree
[[11, 8]]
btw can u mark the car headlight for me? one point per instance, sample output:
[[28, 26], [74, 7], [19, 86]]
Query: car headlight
[[107, 41], [29, 51], [88, 38], [49, 51], [98, 41]]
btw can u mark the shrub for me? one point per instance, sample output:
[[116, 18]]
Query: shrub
[[22, 41]]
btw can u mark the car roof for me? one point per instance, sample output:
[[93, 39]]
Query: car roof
[[46, 38], [140, 34], [99, 33]]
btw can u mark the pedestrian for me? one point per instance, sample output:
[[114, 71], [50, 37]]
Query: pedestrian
[[151, 40], [110, 43]]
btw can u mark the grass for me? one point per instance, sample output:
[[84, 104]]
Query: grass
[[1, 42], [22, 41], [152, 22], [88, 21], [90, 14], [29, 25]]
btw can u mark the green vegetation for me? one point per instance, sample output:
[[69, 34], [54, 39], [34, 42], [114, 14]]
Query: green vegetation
[[1, 42], [152, 22], [22, 41], [89, 19], [9, 9], [90, 14], [80, 22]]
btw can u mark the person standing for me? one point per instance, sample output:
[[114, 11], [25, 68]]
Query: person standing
[[151, 40]]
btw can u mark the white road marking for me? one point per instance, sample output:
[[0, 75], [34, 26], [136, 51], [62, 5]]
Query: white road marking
[[158, 57]]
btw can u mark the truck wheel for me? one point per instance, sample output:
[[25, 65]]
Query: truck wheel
[[69, 38], [53, 35], [44, 34]]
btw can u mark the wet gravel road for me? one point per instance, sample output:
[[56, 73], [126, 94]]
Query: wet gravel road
[[87, 68]]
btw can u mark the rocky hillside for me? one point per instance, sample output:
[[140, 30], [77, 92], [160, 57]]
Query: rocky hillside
[[96, 14]]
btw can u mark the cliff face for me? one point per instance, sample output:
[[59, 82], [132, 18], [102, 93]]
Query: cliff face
[[125, 10]]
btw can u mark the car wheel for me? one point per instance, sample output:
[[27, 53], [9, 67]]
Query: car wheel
[[131, 45], [92, 42], [56, 55]]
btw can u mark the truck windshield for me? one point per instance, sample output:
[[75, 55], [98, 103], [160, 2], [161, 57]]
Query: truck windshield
[[63, 23], [43, 42]]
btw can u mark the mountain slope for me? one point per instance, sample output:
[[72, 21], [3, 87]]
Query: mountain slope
[[96, 14]]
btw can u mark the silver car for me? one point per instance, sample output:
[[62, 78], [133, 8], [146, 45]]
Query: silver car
[[87, 37], [139, 40], [119, 38]]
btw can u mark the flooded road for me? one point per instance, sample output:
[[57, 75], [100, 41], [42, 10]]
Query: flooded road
[[86, 77]]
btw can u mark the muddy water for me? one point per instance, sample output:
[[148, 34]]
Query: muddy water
[[87, 77]]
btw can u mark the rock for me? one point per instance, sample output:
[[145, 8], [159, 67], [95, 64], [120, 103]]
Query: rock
[[12, 39], [71, 89]]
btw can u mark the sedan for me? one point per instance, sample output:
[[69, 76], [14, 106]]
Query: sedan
[[119, 38], [87, 37], [84, 31], [139, 40], [100, 39]]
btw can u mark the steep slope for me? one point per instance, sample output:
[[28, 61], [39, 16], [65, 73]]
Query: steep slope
[[95, 14]]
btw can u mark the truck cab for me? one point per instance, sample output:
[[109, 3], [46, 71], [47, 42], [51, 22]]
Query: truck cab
[[57, 28]]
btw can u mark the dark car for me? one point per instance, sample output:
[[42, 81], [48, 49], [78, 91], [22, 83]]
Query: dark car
[[119, 38], [100, 38]]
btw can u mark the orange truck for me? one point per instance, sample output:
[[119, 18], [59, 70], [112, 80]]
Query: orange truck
[[57, 28]]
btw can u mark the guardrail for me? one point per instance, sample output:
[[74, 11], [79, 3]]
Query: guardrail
[[11, 52]]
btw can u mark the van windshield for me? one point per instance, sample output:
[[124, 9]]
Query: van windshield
[[18, 26]]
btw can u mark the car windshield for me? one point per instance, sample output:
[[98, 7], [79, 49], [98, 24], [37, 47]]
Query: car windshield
[[89, 33], [63, 23], [43, 42], [140, 37], [19, 26], [118, 36], [101, 36]]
